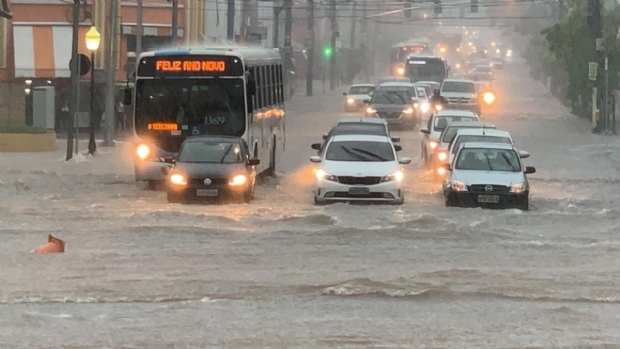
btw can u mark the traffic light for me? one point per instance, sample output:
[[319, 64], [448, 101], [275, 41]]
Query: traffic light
[[474, 6], [327, 52], [438, 9]]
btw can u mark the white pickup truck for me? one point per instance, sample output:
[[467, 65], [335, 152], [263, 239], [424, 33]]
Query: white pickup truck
[[461, 94]]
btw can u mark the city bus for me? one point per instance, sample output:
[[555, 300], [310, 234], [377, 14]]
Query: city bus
[[426, 68], [400, 52], [232, 91]]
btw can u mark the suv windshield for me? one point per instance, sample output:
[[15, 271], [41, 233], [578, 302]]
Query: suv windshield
[[390, 97], [361, 90], [211, 151], [458, 86], [484, 159], [478, 139], [360, 151]]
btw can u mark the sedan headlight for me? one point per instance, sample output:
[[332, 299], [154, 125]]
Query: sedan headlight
[[178, 179], [370, 110], [322, 175], [143, 151], [433, 144], [350, 100], [458, 186], [396, 176], [442, 156], [238, 180], [425, 107], [518, 188]]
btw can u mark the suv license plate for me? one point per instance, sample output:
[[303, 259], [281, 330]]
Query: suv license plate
[[488, 199], [207, 192], [359, 191]]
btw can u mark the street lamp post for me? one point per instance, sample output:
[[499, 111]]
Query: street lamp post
[[93, 39]]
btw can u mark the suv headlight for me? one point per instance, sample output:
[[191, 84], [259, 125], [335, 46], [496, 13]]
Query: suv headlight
[[518, 188], [458, 186], [322, 175], [396, 176]]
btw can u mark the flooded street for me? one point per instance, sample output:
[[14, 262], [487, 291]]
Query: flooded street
[[281, 273]]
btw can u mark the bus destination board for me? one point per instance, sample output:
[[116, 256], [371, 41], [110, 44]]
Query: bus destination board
[[190, 65]]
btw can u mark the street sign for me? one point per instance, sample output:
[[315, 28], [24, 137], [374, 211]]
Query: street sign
[[84, 64], [592, 71]]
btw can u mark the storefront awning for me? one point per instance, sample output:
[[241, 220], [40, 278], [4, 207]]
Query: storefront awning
[[44, 51]]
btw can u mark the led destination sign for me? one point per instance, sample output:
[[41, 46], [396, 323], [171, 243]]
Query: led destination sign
[[190, 65]]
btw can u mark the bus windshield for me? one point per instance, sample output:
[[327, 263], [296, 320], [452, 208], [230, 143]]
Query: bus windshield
[[213, 106], [426, 69]]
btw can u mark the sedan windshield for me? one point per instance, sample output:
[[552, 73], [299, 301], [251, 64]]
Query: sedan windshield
[[390, 97], [450, 133], [361, 90], [360, 151], [478, 139], [484, 159], [211, 152], [452, 118], [459, 87]]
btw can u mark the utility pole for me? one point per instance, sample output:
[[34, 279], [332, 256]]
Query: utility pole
[[276, 26], [111, 88], [332, 59], [75, 78], [595, 22], [174, 37], [353, 24], [310, 49], [288, 49], [138, 30], [231, 21], [364, 46]]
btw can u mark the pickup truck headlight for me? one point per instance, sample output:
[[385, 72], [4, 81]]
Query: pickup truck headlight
[[458, 186], [518, 188]]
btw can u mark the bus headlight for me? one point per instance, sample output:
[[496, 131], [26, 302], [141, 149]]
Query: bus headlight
[[143, 151], [238, 180], [178, 179]]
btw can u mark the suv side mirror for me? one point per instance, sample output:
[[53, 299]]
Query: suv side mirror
[[425, 131], [404, 161], [530, 170], [316, 146], [253, 162], [523, 154], [127, 96], [398, 148]]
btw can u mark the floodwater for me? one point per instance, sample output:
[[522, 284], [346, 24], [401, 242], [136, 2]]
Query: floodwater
[[281, 273]]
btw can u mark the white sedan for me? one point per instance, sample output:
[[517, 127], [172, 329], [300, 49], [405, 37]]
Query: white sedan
[[354, 99], [359, 168]]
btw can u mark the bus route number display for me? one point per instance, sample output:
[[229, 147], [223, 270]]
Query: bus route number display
[[197, 66]]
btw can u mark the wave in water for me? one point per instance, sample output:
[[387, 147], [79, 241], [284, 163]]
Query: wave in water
[[99, 299], [374, 289]]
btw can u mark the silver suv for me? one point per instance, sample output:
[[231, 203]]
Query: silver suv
[[461, 94]]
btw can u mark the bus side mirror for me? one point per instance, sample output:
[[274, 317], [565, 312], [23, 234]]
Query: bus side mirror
[[127, 96]]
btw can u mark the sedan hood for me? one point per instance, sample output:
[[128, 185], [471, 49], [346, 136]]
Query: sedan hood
[[391, 107], [361, 168], [488, 177], [359, 97], [199, 170], [458, 94]]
